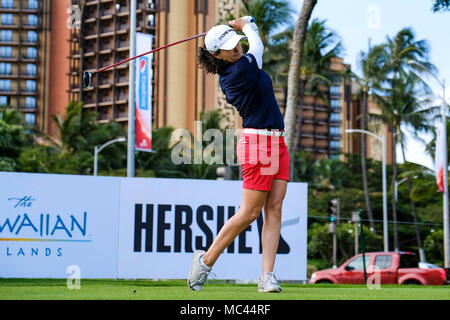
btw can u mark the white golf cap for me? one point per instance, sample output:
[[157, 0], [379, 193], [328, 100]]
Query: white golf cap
[[221, 37]]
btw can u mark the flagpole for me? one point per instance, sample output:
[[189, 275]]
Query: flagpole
[[132, 92], [445, 177]]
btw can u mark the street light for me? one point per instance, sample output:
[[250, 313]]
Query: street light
[[445, 175], [396, 184], [445, 164], [382, 139], [97, 150]]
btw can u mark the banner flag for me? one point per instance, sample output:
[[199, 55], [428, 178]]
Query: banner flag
[[439, 158], [144, 76]]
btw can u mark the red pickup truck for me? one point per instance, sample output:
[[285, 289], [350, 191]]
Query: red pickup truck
[[389, 267]]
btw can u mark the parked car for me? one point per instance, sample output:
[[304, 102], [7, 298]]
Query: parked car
[[392, 268]]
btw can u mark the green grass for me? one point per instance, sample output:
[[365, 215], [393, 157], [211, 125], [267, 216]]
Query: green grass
[[56, 289]]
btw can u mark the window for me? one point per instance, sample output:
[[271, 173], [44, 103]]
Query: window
[[30, 85], [5, 68], [334, 117], [31, 69], [8, 4], [30, 102], [357, 264], [6, 52], [30, 118], [3, 101], [151, 20], [7, 18], [335, 90], [336, 78], [33, 20], [6, 35], [5, 85], [334, 131], [409, 261], [33, 4], [383, 261], [32, 36], [334, 144], [31, 53], [335, 103]]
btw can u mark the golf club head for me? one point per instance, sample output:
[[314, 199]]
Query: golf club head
[[87, 79]]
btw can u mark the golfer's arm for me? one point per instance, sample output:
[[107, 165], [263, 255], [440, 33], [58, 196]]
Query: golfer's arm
[[256, 45]]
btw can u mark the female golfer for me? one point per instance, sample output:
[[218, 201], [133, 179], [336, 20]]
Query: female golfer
[[261, 149]]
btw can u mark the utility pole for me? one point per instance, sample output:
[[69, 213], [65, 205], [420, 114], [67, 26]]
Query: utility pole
[[132, 92], [333, 210], [356, 220], [445, 209]]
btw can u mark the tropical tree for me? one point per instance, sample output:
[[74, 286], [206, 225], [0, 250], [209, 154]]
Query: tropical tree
[[441, 5], [11, 116], [299, 36], [269, 15], [198, 149], [12, 140], [320, 47], [80, 132], [405, 59], [371, 64], [404, 109]]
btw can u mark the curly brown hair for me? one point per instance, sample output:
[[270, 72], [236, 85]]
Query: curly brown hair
[[205, 60]]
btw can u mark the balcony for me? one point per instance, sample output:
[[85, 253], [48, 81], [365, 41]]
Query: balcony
[[10, 59]]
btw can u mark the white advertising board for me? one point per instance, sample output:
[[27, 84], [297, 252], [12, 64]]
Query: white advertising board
[[162, 221], [49, 222], [135, 227]]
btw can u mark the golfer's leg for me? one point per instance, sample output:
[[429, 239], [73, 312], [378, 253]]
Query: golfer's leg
[[251, 206], [272, 224]]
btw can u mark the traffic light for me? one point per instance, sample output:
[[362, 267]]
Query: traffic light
[[333, 211], [333, 206]]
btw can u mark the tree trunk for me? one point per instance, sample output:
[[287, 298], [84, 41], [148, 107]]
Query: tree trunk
[[294, 74], [414, 212], [298, 133], [363, 161], [394, 179]]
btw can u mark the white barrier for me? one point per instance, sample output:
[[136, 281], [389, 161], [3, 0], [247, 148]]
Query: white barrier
[[135, 227]]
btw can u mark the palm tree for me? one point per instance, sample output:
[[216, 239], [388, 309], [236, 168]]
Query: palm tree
[[11, 116], [80, 133], [441, 5], [404, 57], [269, 15], [321, 46], [371, 64], [407, 112], [298, 40]]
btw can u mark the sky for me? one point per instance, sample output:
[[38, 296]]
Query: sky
[[357, 21]]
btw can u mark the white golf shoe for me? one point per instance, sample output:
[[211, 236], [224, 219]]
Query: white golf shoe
[[268, 283], [198, 273]]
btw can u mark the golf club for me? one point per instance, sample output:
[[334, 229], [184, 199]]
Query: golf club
[[89, 76]]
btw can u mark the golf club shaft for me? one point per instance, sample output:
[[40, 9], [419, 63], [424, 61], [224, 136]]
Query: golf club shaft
[[154, 50]]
